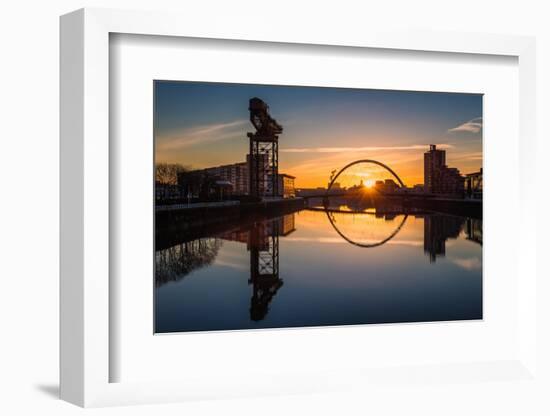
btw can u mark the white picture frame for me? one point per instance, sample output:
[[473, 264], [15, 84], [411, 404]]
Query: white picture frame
[[85, 211]]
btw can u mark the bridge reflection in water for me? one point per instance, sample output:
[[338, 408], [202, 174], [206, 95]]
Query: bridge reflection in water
[[362, 229]]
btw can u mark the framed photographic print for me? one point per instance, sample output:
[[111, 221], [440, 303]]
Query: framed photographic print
[[270, 213]]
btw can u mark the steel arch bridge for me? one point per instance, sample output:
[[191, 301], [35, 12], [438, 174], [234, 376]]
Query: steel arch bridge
[[374, 162]]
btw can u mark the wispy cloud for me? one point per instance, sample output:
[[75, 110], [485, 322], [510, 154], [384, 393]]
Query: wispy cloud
[[201, 134], [467, 156], [473, 126], [359, 148]]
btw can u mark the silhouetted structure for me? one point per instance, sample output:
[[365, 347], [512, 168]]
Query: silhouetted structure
[[264, 150], [474, 184], [235, 179], [437, 229], [235, 173], [386, 186], [438, 177], [166, 192], [200, 184], [366, 161]]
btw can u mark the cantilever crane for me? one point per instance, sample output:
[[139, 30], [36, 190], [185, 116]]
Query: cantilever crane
[[264, 151], [266, 126]]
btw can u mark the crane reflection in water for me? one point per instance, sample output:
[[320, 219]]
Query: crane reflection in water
[[308, 237]]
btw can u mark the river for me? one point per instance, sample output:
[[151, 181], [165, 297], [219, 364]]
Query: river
[[320, 267]]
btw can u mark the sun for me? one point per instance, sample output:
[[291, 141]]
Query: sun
[[369, 183]]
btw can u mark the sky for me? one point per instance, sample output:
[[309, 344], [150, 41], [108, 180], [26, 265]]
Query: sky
[[204, 124]]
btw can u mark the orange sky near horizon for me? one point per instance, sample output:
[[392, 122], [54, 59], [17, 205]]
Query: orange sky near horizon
[[408, 164], [203, 125]]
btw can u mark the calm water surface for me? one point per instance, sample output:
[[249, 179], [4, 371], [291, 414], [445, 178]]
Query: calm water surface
[[317, 267]]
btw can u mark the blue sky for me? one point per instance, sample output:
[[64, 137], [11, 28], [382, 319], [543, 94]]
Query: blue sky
[[205, 124]]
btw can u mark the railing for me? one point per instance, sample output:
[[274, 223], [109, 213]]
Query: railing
[[175, 207]]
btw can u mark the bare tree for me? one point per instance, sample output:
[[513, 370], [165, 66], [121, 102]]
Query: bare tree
[[167, 173]]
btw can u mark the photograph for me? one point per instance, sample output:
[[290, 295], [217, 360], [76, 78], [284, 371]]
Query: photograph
[[281, 206]]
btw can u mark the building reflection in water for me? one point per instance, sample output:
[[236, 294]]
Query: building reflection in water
[[474, 230], [262, 241], [437, 230]]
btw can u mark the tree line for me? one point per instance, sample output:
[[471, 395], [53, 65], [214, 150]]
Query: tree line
[[167, 173]]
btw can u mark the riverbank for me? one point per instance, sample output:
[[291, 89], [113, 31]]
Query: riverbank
[[472, 208], [179, 223], [175, 225]]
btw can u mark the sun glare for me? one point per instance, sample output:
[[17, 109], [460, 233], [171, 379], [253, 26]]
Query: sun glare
[[369, 183]]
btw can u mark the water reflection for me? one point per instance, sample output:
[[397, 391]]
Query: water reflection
[[331, 215], [176, 262], [437, 230], [474, 230], [322, 229], [264, 267], [262, 240]]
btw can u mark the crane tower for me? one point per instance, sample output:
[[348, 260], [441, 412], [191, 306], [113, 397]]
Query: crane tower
[[264, 151]]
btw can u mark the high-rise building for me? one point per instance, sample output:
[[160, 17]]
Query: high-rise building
[[438, 177], [434, 160]]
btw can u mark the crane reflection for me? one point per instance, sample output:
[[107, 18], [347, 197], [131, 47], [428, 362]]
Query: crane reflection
[[262, 240]]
